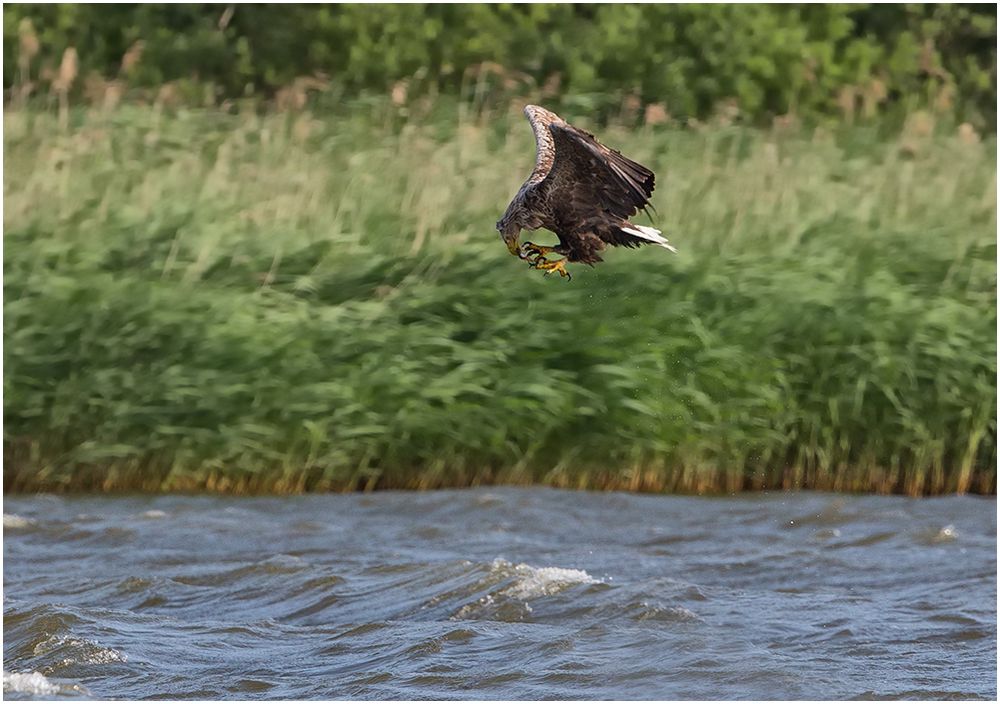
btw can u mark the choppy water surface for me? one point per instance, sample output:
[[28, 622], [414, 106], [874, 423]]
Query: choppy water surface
[[500, 593]]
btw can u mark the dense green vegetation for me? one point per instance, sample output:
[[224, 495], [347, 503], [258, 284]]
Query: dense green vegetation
[[280, 301], [760, 60]]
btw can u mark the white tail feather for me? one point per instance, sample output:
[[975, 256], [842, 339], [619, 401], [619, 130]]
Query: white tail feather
[[650, 235]]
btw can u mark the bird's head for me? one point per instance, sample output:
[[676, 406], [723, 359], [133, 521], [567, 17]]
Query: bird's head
[[510, 232]]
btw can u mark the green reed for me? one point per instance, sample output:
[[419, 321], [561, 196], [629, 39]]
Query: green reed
[[289, 301]]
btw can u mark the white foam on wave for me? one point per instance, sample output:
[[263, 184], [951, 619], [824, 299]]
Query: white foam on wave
[[32, 683], [514, 586], [84, 651], [12, 520], [534, 582]]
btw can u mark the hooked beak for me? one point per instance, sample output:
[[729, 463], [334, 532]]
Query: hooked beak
[[514, 247]]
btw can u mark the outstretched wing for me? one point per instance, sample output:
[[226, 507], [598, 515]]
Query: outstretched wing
[[585, 171], [545, 149]]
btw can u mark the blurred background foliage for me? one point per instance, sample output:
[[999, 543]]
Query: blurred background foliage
[[251, 248], [758, 60], [276, 301]]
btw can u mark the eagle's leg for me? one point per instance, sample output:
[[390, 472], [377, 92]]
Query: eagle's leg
[[530, 249], [548, 267]]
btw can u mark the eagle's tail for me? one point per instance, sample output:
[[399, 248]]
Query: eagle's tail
[[649, 234]]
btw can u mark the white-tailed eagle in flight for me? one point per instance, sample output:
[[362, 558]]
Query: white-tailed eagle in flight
[[580, 190]]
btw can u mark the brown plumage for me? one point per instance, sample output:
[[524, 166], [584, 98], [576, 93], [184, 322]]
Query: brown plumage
[[582, 191]]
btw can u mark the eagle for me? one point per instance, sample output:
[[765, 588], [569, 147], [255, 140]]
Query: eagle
[[582, 191]]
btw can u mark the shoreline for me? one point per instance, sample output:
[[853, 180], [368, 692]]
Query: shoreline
[[680, 482]]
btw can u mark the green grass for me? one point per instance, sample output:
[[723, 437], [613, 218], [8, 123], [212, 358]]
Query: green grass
[[287, 302]]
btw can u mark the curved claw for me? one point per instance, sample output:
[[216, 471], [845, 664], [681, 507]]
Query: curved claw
[[548, 267], [530, 249]]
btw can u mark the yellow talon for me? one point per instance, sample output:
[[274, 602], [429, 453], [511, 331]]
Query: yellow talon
[[530, 249], [548, 267]]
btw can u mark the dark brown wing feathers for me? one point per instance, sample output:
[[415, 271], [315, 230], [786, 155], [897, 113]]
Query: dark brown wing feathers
[[634, 182], [583, 191]]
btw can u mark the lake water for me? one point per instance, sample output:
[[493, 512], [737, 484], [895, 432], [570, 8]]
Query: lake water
[[500, 593]]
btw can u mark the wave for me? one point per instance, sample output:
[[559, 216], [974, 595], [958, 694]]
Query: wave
[[78, 651], [11, 521], [534, 582], [514, 586], [35, 684]]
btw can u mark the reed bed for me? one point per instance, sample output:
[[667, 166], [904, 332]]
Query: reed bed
[[288, 301]]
